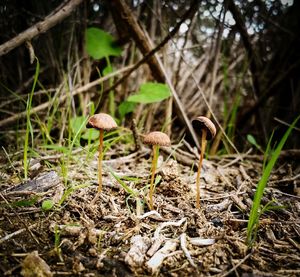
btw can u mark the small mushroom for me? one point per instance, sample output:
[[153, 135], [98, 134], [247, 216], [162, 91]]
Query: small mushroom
[[102, 122], [207, 129], [155, 139]]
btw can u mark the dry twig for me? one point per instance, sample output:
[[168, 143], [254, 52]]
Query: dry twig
[[40, 27]]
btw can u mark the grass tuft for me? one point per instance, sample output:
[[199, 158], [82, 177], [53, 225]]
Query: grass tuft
[[255, 213]]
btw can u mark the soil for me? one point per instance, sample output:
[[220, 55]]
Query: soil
[[117, 235]]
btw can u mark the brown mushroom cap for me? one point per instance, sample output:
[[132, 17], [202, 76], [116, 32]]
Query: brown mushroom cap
[[102, 121], [201, 122], [157, 138]]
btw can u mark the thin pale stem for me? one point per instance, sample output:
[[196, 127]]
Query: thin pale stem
[[153, 169], [203, 146], [100, 160]]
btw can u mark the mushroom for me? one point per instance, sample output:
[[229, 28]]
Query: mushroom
[[207, 129], [102, 122], [155, 139]]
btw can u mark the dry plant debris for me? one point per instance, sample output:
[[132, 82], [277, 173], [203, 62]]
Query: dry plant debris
[[110, 237], [34, 265]]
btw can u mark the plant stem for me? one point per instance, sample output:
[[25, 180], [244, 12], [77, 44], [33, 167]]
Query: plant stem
[[153, 169], [111, 95], [28, 121], [203, 146], [100, 160]]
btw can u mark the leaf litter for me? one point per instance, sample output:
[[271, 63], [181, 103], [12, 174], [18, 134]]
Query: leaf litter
[[119, 236]]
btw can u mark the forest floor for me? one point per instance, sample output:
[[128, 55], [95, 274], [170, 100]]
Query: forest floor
[[117, 235]]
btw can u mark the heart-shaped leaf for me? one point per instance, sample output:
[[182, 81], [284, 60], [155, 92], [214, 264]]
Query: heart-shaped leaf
[[100, 44], [150, 93]]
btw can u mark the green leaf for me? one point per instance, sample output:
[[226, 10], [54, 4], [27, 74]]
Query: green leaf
[[125, 108], [150, 93], [100, 44], [26, 202], [91, 134], [69, 191], [55, 147], [251, 139], [47, 205], [268, 208], [107, 70], [76, 123], [157, 179]]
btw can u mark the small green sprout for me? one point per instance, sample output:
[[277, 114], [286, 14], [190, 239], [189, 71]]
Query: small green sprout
[[47, 205]]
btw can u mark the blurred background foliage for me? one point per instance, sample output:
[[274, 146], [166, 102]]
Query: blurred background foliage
[[243, 54]]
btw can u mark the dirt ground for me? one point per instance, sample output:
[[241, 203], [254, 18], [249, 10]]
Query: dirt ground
[[117, 235]]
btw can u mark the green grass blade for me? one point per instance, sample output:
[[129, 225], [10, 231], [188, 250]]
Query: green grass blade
[[69, 191], [268, 151], [254, 213], [26, 202], [28, 122], [124, 186]]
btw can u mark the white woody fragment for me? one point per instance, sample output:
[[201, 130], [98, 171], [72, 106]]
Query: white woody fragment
[[155, 246], [136, 254], [150, 213], [219, 207], [166, 224], [185, 250], [157, 259], [201, 242]]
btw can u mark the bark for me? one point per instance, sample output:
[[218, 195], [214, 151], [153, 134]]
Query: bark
[[40, 27]]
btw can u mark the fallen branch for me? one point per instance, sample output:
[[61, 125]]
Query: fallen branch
[[146, 47], [40, 27], [20, 231], [127, 22], [42, 183]]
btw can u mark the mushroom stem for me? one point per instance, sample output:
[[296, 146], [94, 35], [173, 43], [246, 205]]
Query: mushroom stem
[[203, 146], [153, 169], [100, 160]]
